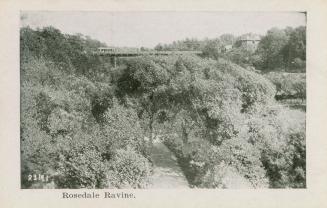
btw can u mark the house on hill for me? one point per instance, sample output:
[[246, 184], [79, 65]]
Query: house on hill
[[249, 41]]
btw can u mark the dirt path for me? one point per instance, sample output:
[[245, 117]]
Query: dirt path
[[167, 173]]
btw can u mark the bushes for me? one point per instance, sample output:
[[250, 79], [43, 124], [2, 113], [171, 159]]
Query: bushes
[[36, 152], [42, 72], [298, 65], [129, 170], [269, 151], [240, 56], [124, 145], [205, 165], [255, 89], [62, 122], [227, 100], [61, 138], [121, 129], [288, 85], [245, 158], [81, 168], [280, 136]]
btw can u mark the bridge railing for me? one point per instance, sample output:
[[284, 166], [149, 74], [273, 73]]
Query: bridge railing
[[140, 53]]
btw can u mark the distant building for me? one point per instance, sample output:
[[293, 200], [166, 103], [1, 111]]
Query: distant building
[[106, 49], [228, 47], [249, 41]]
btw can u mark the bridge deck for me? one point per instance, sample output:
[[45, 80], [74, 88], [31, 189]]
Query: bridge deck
[[142, 53]]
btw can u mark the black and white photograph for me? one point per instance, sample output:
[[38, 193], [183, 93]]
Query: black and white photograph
[[162, 99]]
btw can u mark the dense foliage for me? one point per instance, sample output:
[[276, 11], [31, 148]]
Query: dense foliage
[[88, 131], [71, 127], [278, 50], [283, 50], [289, 85]]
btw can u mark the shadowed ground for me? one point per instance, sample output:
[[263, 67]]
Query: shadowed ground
[[167, 173]]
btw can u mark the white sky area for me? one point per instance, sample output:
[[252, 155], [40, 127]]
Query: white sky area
[[136, 29]]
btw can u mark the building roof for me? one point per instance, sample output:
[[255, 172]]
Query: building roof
[[250, 37], [106, 47]]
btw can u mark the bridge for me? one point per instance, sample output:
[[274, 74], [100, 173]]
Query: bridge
[[115, 52], [143, 53]]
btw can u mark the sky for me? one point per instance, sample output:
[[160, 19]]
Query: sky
[[147, 29]]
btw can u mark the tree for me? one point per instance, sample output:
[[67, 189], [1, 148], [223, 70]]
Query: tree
[[270, 48], [158, 47], [240, 56], [283, 50], [227, 39], [31, 45], [212, 49], [295, 51]]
